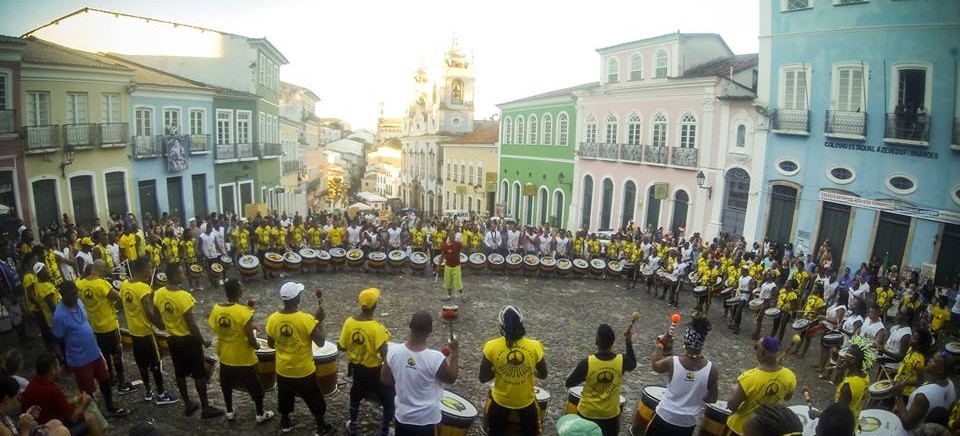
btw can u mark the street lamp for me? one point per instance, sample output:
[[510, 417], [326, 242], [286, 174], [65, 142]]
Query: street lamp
[[701, 179]]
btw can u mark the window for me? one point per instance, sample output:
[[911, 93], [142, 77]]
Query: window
[[463, 173], [547, 129], [448, 170], [792, 5], [841, 175], [563, 128], [788, 167], [794, 94], [4, 90], [38, 108], [243, 127], [262, 127], [613, 70], [224, 128], [171, 121], [471, 178], [77, 108], [109, 108], [507, 131], [262, 65], [606, 204], [636, 67], [633, 129], [911, 89], [479, 175], [629, 203], [587, 202], [116, 192], [662, 67], [196, 121], [591, 130], [456, 92], [455, 168], [741, 136], [611, 129], [901, 184], [520, 130], [688, 131], [532, 132], [849, 87], [143, 121], [659, 130]]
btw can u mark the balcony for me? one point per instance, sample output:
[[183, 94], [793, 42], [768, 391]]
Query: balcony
[[42, 139], [113, 134], [631, 152], [846, 123], [683, 157], [910, 128], [147, 146], [956, 134], [609, 151], [80, 136], [8, 121], [655, 154], [788, 121], [291, 166], [199, 144], [588, 150], [267, 150]]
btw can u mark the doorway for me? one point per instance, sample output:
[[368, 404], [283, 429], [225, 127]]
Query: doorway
[[890, 240], [148, 199], [175, 198], [834, 222], [783, 204], [84, 205], [736, 196]]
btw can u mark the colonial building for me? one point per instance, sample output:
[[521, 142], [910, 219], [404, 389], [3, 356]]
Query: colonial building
[[382, 174], [299, 134], [13, 183], [537, 145], [469, 162], [864, 145], [667, 139]]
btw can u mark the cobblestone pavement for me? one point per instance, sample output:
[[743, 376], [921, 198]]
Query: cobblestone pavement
[[561, 312]]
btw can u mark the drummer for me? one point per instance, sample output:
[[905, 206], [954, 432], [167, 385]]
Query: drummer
[[365, 341], [601, 375], [211, 254], [813, 310], [693, 382], [909, 374], [768, 383], [938, 392], [855, 362], [745, 286], [418, 374], [241, 240], [232, 323], [650, 269], [188, 248], [787, 304], [679, 270], [767, 290], [899, 338], [99, 298], [512, 361], [452, 278]]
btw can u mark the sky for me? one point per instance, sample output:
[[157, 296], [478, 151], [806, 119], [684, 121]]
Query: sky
[[356, 54]]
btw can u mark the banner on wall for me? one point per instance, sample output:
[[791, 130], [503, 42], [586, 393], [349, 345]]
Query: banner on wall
[[176, 152], [943, 216]]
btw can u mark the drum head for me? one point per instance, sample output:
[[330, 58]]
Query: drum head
[[196, 268], [337, 252], [576, 391], [580, 263], [548, 261], [217, 268], [531, 260], [564, 264], [772, 312], [464, 258], [397, 255], [329, 349], [615, 266], [249, 261], [879, 422], [377, 256], [478, 258], [953, 348], [308, 253], [598, 263], [541, 393], [418, 257], [226, 259], [514, 259], [455, 405], [274, 257], [323, 254], [292, 257], [655, 392], [495, 258], [801, 324], [720, 406], [162, 277], [354, 254]]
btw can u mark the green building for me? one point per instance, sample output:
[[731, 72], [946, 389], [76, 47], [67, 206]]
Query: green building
[[537, 145]]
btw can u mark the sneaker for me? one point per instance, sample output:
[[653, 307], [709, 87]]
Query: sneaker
[[267, 415], [148, 395], [323, 430], [118, 413], [166, 398], [230, 415], [285, 425], [211, 412], [126, 388]]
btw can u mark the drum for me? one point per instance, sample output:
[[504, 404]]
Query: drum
[[580, 267], [418, 261], [646, 407], [292, 261], [726, 293], [216, 270], [337, 256], [563, 267], [597, 266], [513, 261], [477, 261], [573, 401], [952, 348], [700, 291], [495, 261], [614, 268], [755, 304], [196, 270], [397, 259], [715, 419], [273, 262], [308, 256], [548, 264], [266, 365], [226, 261], [628, 268], [803, 412], [513, 422], [832, 339], [801, 325], [877, 422], [438, 263], [731, 302], [772, 313], [458, 415], [248, 265], [325, 358], [376, 260], [355, 258], [163, 347], [323, 258], [880, 390], [160, 280], [116, 285], [125, 339], [464, 259], [531, 263]]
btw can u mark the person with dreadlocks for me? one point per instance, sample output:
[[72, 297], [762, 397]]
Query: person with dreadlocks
[[601, 375], [693, 382], [768, 383], [773, 420], [512, 361], [855, 363]]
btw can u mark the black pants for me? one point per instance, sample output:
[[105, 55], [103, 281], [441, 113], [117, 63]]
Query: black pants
[[414, 430], [306, 388], [366, 382], [246, 376], [609, 426], [498, 417], [659, 427], [738, 314]]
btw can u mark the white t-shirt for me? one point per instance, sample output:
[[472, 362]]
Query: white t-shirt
[[208, 245], [766, 290], [418, 390], [394, 234]]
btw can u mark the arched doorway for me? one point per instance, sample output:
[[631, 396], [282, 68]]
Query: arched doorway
[[504, 194], [606, 204], [783, 205], [587, 202], [515, 197], [558, 208], [681, 202], [629, 203], [544, 198], [430, 204], [736, 193], [653, 209]]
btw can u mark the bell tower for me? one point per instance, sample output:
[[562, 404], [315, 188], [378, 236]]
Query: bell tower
[[455, 93]]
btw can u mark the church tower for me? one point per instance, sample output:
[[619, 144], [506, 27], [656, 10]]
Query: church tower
[[419, 112], [454, 91]]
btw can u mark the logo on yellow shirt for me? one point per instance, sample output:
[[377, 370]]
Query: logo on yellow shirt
[[604, 383], [169, 312], [514, 366]]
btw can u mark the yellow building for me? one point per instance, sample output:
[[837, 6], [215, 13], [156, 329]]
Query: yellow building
[[468, 162], [76, 134]]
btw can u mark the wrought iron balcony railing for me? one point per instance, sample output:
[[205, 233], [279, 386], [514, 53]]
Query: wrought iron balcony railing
[[684, 157], [790, 120], [588, 150], [846, 123], [631, 152], [609, 151], [655, 154], [113, 134], [907, 127], [199, 144], [270, 150], [80, 135], [147, 146], [42, 139]]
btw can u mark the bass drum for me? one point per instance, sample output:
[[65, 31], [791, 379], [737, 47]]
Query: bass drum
[[376, 260], [514, 261], [597, 266], [495, 261], [309, 256], [249, 265], [478, 261], [580, 267], [337, 256], [292, 261], [355, 257], [458, 415], [418, 261], [564, 267], [548, 265], [397, 259], [531, 262]]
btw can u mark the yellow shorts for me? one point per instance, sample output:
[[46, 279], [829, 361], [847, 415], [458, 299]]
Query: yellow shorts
[[452, 280]]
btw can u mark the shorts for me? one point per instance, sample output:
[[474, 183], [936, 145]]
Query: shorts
[[109, 342], [187, 355], [452, 279], [88, 375], [145, 352]]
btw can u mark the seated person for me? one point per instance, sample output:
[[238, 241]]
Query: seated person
[[54, 405], [26, 424]]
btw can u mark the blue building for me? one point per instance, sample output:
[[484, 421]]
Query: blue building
[[863, 148], [171, 152]]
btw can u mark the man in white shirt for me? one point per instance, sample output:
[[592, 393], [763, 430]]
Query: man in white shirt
[[418, 374], [353, 235], [513, 239], [208, 247], [393, 234], [492, 240]]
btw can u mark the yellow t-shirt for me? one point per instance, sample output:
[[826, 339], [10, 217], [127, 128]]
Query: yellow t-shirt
[[153, 252], [786, 300], [514, 369], [858, 391], [53, 268], [106, 257], [417, 236], [940, 317], [601, 389], [315, 236], [291, 334], [362, 341], [128, 246], [814, 303], [761, 387], [29, 279], [100, 311], [188, 249], [241, 240], [298, 233], [911, 368], [131, 295], [41, 290], [228, 324], [279, 237], [336, 236], [171, 249], [172, 305]]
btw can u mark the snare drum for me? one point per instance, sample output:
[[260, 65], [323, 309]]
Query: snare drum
[[726, 293], [831, 340], [216, 270], [513, 421], [715, 419], [573, 401], [458, 415], [700, 291], [755, 304], [772, 313], [249, 265], [325, 358], [801, 325], [646, 407], [880, 390], [731, 302]]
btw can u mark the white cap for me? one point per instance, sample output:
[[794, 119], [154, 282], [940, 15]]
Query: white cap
[[37, 267], [290, 290]]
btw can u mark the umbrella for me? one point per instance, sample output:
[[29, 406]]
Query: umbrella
[[360, 206]]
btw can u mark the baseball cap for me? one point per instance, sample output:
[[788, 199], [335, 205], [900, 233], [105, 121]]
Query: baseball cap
[[574, 425], [290, 290], [368, 297], [37, 267], [86, 241]]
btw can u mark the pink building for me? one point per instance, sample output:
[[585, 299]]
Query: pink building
[[668, 109]]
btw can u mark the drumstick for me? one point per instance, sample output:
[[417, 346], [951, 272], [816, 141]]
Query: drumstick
[[806, 396], [153, 274], [633, 320]]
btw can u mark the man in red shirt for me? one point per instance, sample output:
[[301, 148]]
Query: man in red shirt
[[452, 280], [44, 392]]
